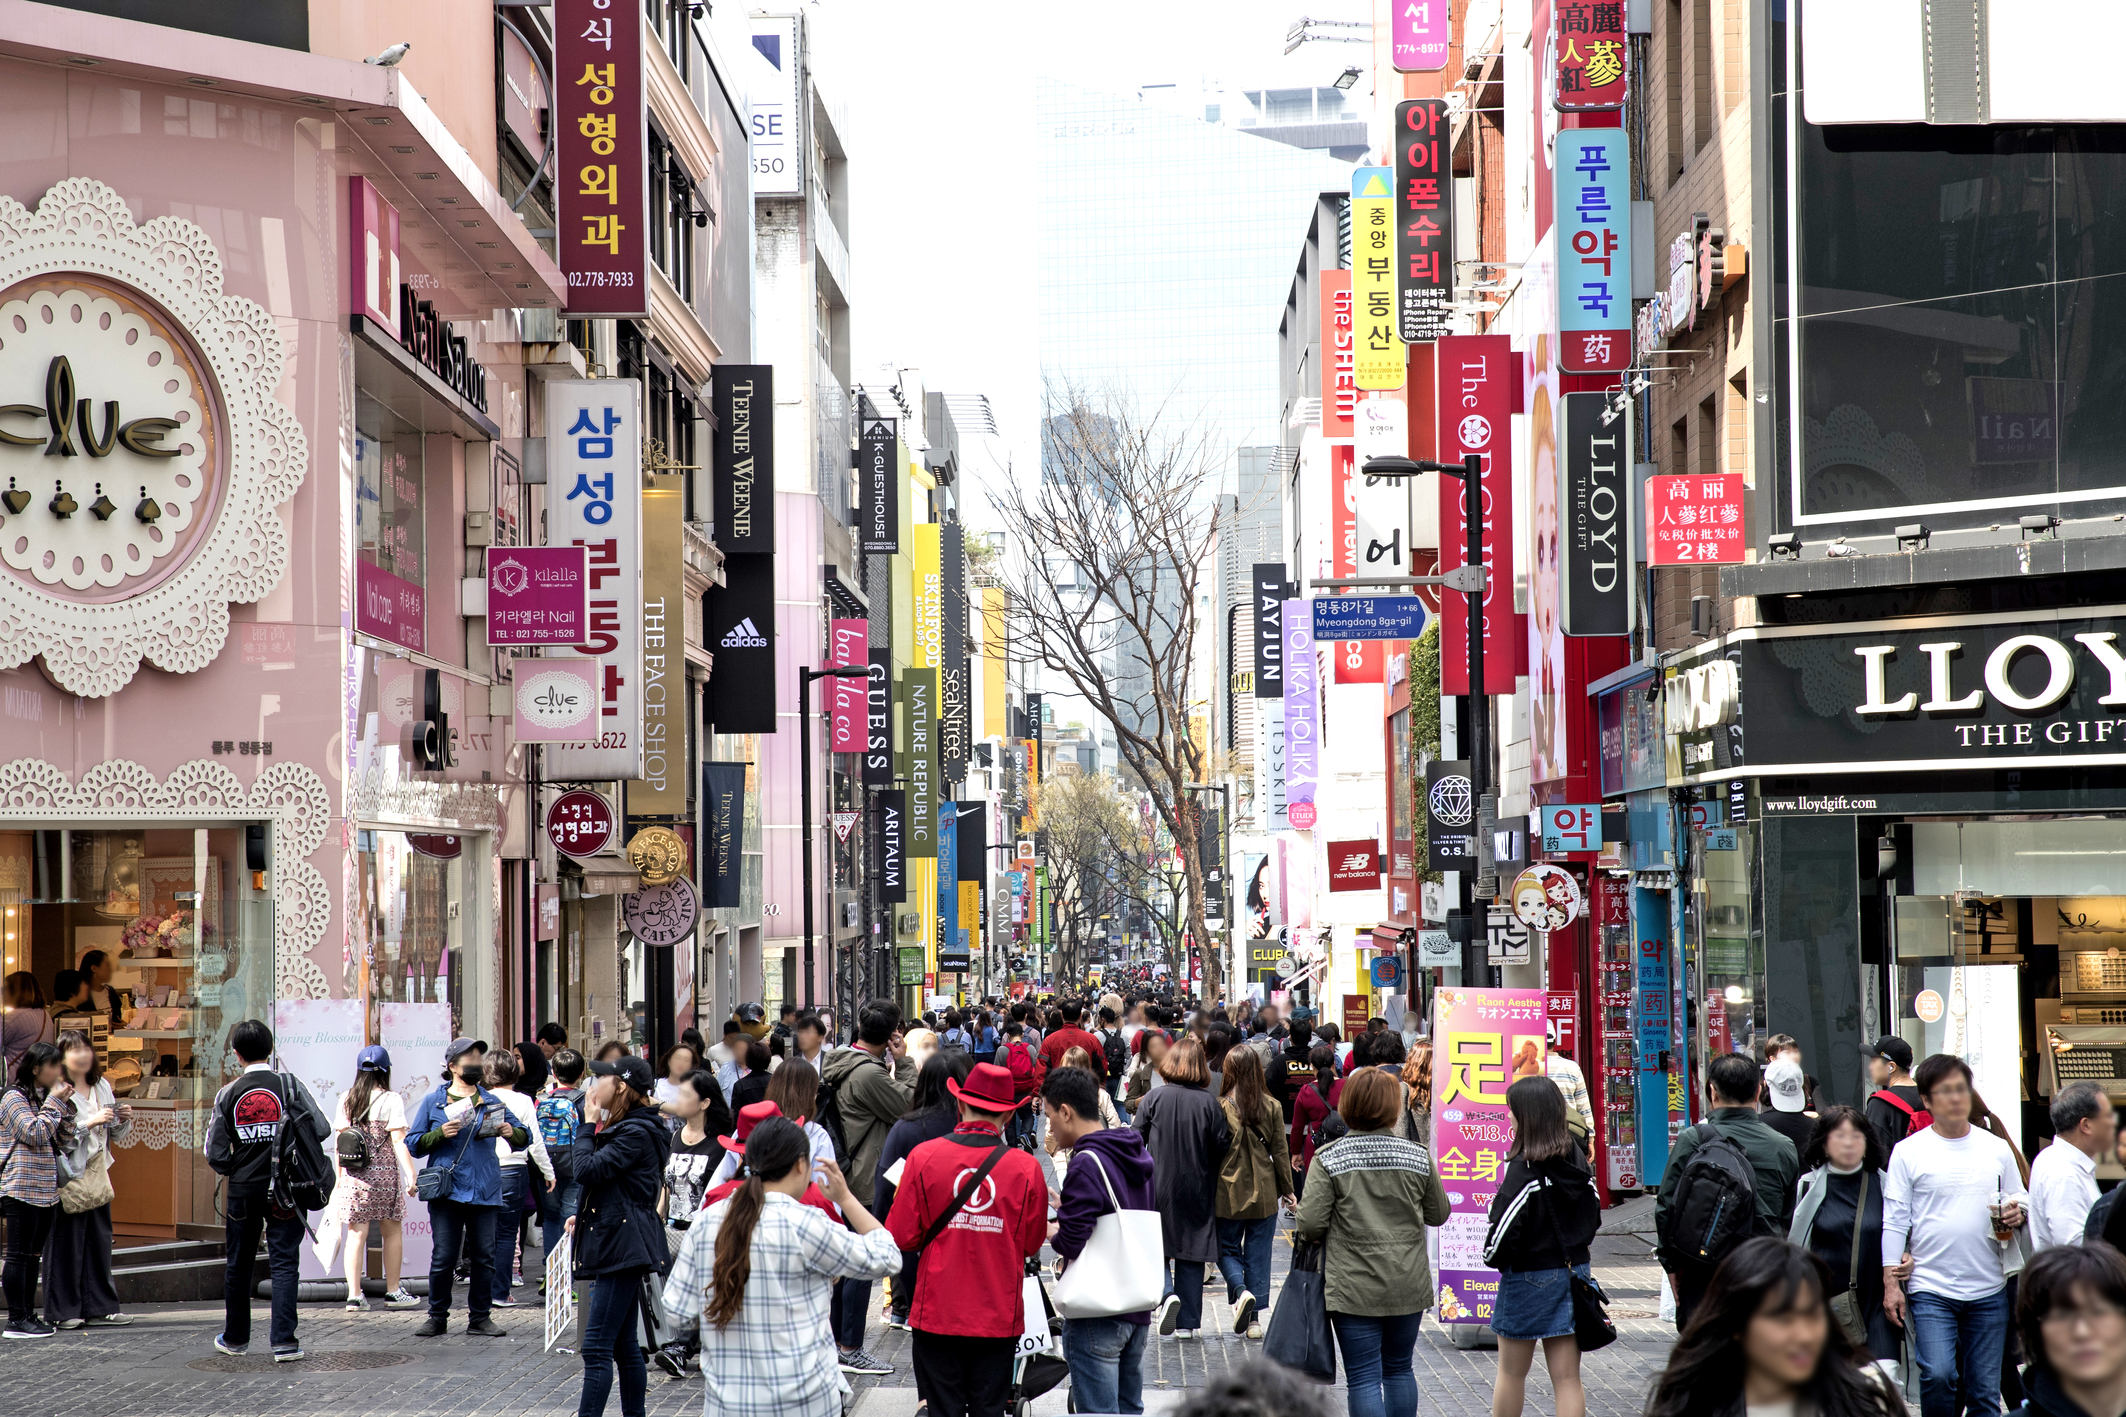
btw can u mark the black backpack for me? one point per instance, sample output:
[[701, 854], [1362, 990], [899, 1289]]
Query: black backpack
[[830, 1116], [302, 1178], [1714, 1208], [1332, 1126], [1116, 1052]]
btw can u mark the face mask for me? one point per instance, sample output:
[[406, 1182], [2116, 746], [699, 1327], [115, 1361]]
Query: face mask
[[471, 1074]]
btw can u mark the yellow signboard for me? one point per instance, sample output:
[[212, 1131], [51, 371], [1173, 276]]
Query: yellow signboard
[[1381, 361], [929, 595]]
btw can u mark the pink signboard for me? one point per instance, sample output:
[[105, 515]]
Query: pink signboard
[[387, 607], [1484, 1040], [848, 643], [1420, 35], [556, 700], [536, 595], [1692, 519]]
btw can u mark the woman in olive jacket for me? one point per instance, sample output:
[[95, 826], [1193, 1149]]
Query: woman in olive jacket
[[1368, 1200], [619, 1237], [1255, 1180], [1184, 1129]]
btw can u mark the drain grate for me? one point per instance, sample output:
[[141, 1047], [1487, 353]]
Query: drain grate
[[342, 1361]]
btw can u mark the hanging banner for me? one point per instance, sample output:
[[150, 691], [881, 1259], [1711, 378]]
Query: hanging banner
[[601, 160], [955, 696], [723, 834], [893, 847], [973, 862], [919, 689], [1450, 817], [536, 595], [743, 456], [1586, 51], [661, 790], [1380, 506], [738, 624], [1270, 812], [948, 890], [1475, 411], [1302, 713], [878, 719], [1593, 214], [1381, 362], [1484, 1040], [594, 451], [878, 469], [1354, 661], [1418, 35], [1270, 588], [1339, 356], [1424, 209], [1595, 504], [556, 701], [847, 648]]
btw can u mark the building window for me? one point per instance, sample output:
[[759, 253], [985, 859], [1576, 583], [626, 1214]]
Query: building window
[[674, 197], [390, 505], [672, 21]]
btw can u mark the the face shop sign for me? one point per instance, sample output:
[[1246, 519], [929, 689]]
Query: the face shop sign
[[1982, 691]]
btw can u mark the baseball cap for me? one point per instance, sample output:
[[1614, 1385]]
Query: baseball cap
[[373, 1059], [1892, 1048], [633, 1071], [752, 1013], [1784, 1080], [460, 1046]]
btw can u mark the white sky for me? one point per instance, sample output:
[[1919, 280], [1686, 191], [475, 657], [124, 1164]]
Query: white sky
[[937, 104]]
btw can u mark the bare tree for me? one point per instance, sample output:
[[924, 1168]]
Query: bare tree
[[1113, 540], [1087, 819]]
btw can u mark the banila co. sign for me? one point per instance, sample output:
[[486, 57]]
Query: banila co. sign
[[1908, 695]]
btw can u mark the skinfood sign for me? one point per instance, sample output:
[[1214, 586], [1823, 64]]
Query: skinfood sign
[[1910, 695]]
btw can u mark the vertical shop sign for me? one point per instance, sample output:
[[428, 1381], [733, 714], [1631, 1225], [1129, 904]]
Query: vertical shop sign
[[601, 153], [846, 641], [1450, 816], [955, 694], [594, 500], [1419, 33], [1424, 214], [1485, 1040], [777, 100], [1588, 47], [949, 957], [929, 593], [893, 847], [1381, 544], [723, 849], [373, 286], [1269, 579], [661, 791], [1302, 713], [1475, 405], [1356, 661], [743, 456], [920, 687], [738, 623], [1270, 811], [1593, 214], [1595, 503], [1656, 1034], [878, 719], [878, 491], [1339, 356], [1380, 361]]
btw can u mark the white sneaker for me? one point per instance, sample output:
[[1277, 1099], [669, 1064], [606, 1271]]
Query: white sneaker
[[1186, 1335], [1169, 1312], [1255, 1332], [1243, 1311], [401, 1300]]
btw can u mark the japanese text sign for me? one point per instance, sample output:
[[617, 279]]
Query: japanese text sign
[[1593, 212], [1419, 33], [1693, 520], [1484, 1040], [1339, 368], [848, 646], [536, 595], [1424, 216], [1571, 828], [601, 137], [594, 500], [1475, 412], [1589, 48], [1381, 362]]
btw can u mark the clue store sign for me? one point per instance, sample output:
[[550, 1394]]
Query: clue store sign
[[594, 500], [1595, 542], [536, 595], [556, 701], [1594, 250], [601, 141]]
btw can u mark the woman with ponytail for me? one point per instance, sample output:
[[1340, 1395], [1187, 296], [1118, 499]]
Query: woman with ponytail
[[758, 1268]]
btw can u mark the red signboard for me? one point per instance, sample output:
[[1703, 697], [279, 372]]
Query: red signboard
[[1339, 368], [848, 644], [1354, 865], [388, 607], [1561, 1011], [1589, 52], [373, 286], [1357, 661], [1693, 520], [1475, 374], [580, 823], [601, 137]]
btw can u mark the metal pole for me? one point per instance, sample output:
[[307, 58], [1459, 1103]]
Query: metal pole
[[1480, 725], [804, 798]]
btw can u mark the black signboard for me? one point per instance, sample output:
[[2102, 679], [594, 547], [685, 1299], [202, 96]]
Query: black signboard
[[878, 485], [723, 818], [892, 846], [1424, 219], [878, 720], [743, 396], [1269, 629], [955, 706], [738, 621], [1450, 817], [972, 836], [1033, 717], [1595, 506]]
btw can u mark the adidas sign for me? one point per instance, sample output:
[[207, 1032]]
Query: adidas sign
[[745, 636]]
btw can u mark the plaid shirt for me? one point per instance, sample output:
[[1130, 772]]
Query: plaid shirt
[[1566, 1074], [777, 1358], [31, 1138]]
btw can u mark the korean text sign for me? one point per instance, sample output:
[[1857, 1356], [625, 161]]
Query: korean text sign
[[1381, 361], [601, 138], [594, 500], [1588, 50], [1424, 216], [1420, 35], [535, 595], [1593, 176], [1484, 1040], [1693, 520]]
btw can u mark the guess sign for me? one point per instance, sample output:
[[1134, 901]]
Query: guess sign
[[580, 824]]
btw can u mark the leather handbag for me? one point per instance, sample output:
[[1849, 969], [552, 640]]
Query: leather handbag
[[1121, 1270], [1592, 1328], [1846, 1307]]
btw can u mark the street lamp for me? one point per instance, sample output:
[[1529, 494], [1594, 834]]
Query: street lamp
[[805, 675]]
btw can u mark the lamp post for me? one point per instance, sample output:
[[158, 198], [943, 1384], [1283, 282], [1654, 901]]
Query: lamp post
[[805, 675]]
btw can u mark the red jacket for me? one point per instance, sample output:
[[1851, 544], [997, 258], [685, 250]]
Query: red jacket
[[1056, 1044], [972, 1279], [813, 1196], [1307, 1110]]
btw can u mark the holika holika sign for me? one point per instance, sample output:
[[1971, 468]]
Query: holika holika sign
[[2027, 687]]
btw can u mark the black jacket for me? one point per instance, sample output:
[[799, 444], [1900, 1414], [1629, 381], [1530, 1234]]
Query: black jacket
[[621, 1171], [1188, 1136], [246, 1121], [1538, 1206], [905, 1136], [2046, 1400]]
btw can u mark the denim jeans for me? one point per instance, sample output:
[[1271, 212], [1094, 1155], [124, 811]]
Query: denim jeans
[[249, 1214], [1244, 1256], [1106, 1358], [509, 1224], [1185, 1278], [454, 1226], [1958, 1345], [847, 1310], [1378, 1354], [609, 1341]]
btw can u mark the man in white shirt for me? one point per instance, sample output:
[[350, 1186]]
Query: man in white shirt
[[1946, 1186], [2063, 1177]]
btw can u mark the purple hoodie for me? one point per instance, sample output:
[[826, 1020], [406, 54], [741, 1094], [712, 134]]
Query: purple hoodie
[[1128, 1162]]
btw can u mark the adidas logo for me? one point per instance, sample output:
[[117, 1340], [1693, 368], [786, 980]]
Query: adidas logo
[[745, 636]]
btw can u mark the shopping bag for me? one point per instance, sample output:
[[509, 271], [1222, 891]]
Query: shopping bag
[[1121, 1270], [1037, 1338], [325, 1242], [1299, 1335]]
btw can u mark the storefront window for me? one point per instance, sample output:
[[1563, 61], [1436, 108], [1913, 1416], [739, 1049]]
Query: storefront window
[[1717, 927], [414, 894], [390, 506]]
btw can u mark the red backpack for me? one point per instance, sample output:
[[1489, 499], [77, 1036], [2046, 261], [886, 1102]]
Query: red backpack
[[1917, 1119], [1019, 1058]]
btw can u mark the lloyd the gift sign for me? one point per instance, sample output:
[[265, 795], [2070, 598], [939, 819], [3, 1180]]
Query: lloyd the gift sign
[[594, 500], [1594, 507]]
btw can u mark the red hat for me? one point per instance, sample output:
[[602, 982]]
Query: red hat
[[750, 1116], [988, 1088]]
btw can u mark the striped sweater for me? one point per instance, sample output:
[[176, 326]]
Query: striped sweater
[[31, 1137]]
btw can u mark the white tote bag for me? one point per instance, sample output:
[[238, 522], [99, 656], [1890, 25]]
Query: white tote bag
[[1121, 1270]]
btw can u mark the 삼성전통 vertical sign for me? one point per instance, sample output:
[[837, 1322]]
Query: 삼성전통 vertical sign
[[601, 153], [1380, 360], [1484, 1040], [594, 500]]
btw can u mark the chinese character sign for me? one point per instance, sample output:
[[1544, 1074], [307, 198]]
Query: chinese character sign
[[1484, 1040], [1379, 349], [1593, 176], [1339, 361], [601, 130], [594, 500], [1424, 217], [1420, 35], [1694, 520], [1589, 49]]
